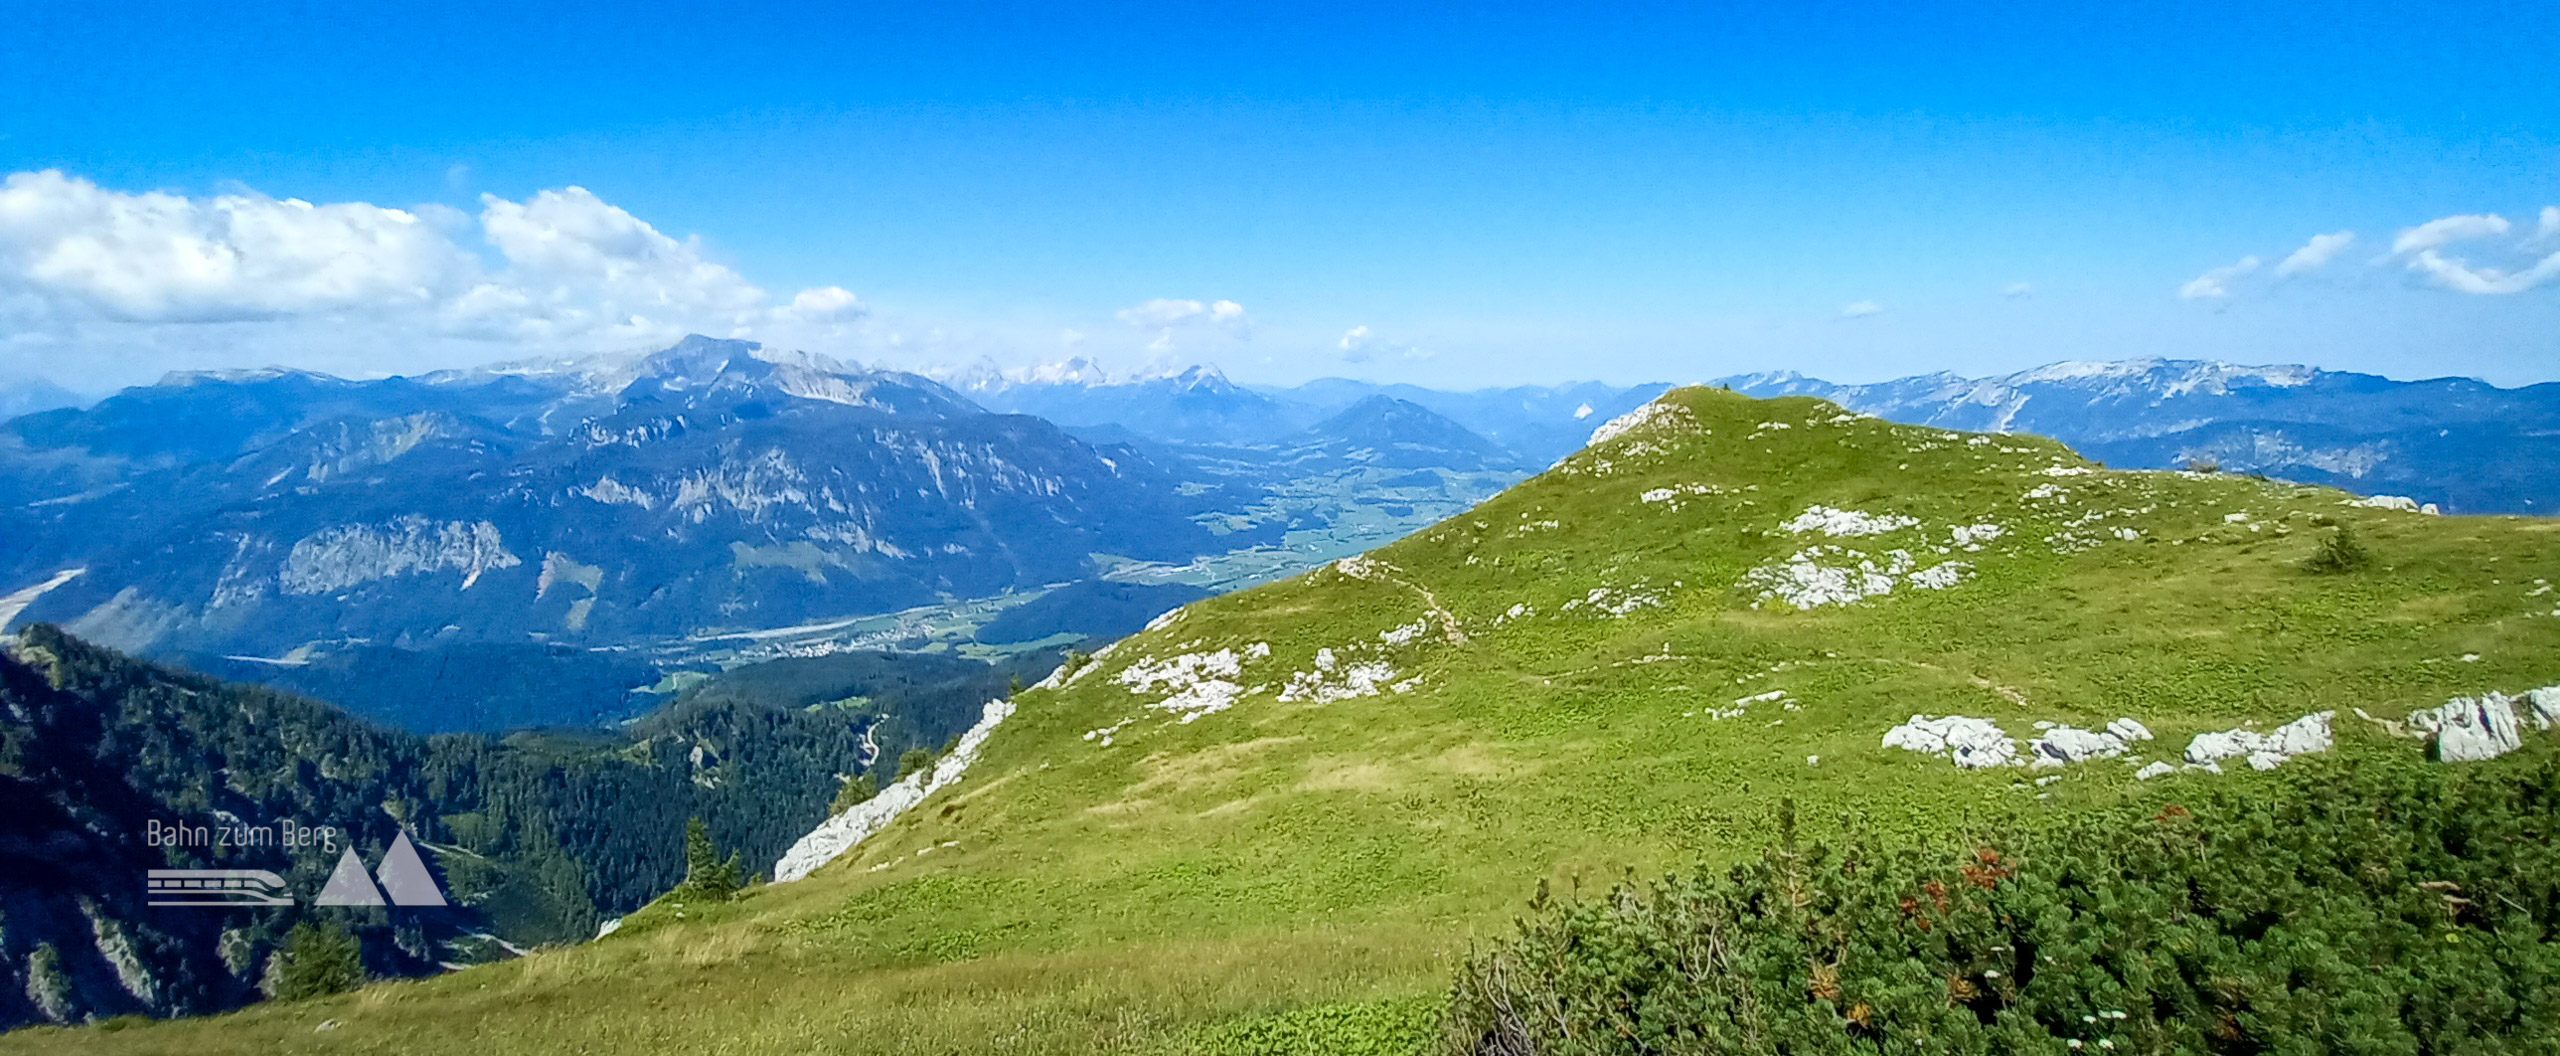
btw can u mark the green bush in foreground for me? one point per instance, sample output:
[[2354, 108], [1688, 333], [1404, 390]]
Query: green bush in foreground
[[317, 959], [2346, 908], [1387, 1028], [2340, 552]]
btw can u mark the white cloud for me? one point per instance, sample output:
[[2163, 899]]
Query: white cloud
[[2421, 243], [2016, 290], [1169, 315], [2210, 284], [2454, 274], [571, 272], [825, 304], [578, 265], [1860, 309], [2436, 234], [1359, 345], [2314, 253], [1170, 311], [164, 258], [2549, 228]]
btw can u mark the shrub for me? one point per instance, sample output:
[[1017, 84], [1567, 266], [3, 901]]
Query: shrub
[[2340, 552], [2384, 906], [1390, 1028], [914, 761], [318, 958], [855, 791]]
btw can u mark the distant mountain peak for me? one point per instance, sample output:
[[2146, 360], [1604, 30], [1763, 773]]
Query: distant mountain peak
[[1076, 370], [1383, 430], [244, 375], [1203, 377]]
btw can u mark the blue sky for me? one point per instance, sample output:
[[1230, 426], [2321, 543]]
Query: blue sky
[[1456, 195]]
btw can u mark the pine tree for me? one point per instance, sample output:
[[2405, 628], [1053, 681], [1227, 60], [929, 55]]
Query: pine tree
[[317, 959], [706, 876]]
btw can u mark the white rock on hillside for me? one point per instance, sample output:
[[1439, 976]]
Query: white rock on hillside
[[1195, 684], [2469, 729], [2402, 503], [2068, 744], [1655, 415], [1836, 522], [1973, 744], [2265, 751], [2545, 706], [1804, 581], [841, 833], [1335, 679]]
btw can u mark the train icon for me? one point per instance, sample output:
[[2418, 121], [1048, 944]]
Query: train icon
[[216, 887]]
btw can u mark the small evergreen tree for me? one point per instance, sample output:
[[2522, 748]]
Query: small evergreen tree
[[706, 876], [317, 959], [2340, 552], [855, 791], [914, 761]]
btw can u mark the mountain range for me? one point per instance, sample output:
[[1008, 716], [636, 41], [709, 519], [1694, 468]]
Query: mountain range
[[1198, 405], [2460, 443], [712, 485]]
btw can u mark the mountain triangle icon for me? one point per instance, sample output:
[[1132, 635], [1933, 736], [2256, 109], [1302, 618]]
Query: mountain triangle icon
[[350, 885], [405, 877]]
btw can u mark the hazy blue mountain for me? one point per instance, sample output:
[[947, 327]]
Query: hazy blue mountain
[[1540, 423], [1390, 433], [1197, 405], [712, 485], [1194, 405], [28, 395], [2458, 442]]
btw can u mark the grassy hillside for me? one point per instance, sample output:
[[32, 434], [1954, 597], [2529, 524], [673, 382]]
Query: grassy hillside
[[1313, 795]]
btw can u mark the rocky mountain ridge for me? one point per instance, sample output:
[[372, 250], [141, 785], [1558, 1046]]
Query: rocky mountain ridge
[[715, 483]]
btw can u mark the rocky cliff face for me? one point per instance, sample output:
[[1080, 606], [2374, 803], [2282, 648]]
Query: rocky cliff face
[[715, 484]]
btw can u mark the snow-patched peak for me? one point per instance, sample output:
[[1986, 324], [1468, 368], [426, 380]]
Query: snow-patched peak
[[701, 368], [2163, 377], [245, 376], [1073, 371], [987, 376]]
